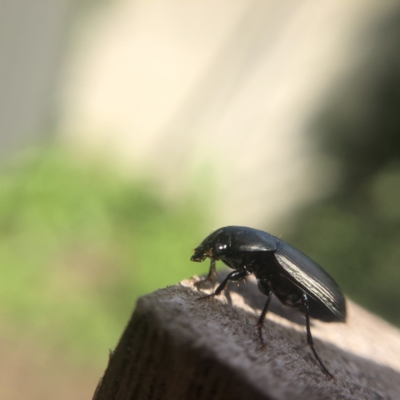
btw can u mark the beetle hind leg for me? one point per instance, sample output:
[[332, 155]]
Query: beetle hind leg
[[309, 336]]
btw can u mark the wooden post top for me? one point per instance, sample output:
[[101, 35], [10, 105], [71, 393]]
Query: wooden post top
[[176, 347]]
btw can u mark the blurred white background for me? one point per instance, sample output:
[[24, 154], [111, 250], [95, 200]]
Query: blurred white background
[[178, 88]]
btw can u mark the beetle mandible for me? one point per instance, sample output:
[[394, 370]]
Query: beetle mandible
[[280, 269]]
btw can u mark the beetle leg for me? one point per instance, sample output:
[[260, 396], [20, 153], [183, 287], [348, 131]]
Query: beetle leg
[[261, 320], [211, 274], [309, 337], [233, 276]]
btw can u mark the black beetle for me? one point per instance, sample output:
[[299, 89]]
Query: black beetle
[[279, 268]]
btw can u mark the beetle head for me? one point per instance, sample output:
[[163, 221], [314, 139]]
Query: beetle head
[[201, 253], [213, 247]]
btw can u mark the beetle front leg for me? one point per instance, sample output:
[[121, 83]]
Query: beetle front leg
[[233, 276], [211, 275], [309, 337]]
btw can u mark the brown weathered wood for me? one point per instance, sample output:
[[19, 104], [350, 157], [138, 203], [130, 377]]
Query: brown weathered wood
[[175, 347]]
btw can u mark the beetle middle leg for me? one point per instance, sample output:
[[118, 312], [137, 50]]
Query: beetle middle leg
[[260, 322], [233, 276], [264, 286], [309, 337]]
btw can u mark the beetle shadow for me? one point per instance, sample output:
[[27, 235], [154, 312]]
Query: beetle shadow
[[360, 376], [256, 300]]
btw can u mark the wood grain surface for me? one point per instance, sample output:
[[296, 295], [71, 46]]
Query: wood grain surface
[[176, 347]]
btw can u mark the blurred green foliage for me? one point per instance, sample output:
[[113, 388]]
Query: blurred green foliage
[[79, 244], [355, 232]]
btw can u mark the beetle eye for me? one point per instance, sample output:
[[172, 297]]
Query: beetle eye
[[219, 248]]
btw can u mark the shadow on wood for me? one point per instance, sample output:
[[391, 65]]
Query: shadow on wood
[[175, 347]]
